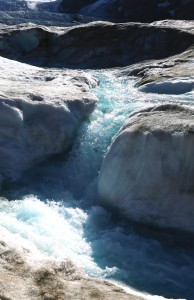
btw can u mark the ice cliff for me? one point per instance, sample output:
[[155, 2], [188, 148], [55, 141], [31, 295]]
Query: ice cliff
[[40, 113], [148, 171]]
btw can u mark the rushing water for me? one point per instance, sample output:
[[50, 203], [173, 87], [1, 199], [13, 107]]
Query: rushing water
[[56, 212]]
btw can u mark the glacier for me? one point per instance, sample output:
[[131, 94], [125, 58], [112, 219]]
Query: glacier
[[57, 125]]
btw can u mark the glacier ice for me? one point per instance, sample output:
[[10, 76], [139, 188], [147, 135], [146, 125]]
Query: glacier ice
[[148, 171], [40, 113]]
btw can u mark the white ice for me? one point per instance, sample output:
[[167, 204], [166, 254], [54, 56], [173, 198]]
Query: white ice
[[171, 87], [40, 112]]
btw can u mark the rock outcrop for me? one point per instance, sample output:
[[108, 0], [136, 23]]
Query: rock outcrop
[[147, 174], [40, 113], [102, 44]]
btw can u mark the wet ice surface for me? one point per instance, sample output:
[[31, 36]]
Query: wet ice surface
[[176, 87], [55, 210], [36, 106]]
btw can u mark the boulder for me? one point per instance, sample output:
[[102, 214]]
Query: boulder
[[40, 113], [147, 174]]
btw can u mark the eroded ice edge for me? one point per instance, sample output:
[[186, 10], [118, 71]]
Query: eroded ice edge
[[55, 212]]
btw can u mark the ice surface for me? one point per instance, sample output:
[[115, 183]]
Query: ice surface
[[40, 112], [152, 181], [61, 218], [62, 211], [173, 87]]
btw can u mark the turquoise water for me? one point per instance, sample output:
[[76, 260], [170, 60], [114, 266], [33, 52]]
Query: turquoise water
[[54, 208]]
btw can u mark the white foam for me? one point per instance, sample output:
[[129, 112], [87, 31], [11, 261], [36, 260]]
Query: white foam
[[66, 228], [47, 230], [53, 231]]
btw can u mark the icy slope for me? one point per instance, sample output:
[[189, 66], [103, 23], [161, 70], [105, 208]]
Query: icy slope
[[148, 171], [40, 112], [102, 44]]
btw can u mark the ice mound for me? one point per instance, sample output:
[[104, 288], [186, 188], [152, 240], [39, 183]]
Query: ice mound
[[62, 47], [40, 113], [147, 174]]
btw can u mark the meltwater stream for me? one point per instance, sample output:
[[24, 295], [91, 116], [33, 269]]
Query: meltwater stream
[[54, 210]]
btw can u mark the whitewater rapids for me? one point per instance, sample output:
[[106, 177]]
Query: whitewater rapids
[[54, 208]]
